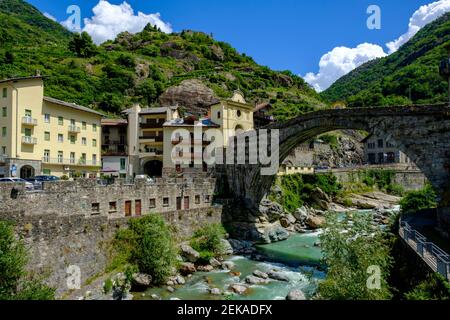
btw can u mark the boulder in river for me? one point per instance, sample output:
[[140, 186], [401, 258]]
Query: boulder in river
[[295, 294], [187, 268], [315, 222], [280, 276], [256, 280], [226, 248], [207, 268], [238, 288], [142, 279], [260, 274], [214, 263], [228, 265], [215, 291], [189, 253]]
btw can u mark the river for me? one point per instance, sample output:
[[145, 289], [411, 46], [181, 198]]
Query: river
[[297, 257]]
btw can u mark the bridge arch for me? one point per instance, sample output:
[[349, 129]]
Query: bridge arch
[[421, 132]]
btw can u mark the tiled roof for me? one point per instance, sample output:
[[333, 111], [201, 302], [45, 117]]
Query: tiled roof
[[71, 105]]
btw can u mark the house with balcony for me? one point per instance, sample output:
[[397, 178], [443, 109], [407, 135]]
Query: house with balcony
[[43, 135], [115, 160], [146, 137]]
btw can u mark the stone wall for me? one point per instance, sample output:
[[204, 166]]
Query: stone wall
[[61, 229], [410, 179]]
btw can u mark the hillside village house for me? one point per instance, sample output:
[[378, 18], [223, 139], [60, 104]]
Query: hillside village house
[[115, 160], [379, 150], [228, 116], [42, 135]]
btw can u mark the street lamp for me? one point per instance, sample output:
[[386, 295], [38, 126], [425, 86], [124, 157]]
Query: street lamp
[[444, 70]]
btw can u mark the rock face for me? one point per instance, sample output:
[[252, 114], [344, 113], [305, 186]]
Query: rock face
[[191, 94], [373, 200], [296, 294], [187, 268], [227, 249], [189, 253]]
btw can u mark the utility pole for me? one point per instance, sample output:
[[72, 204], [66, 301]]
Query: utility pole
[[444, 70]]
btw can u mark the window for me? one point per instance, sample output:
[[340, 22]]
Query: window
[[83, 125], [371, 158], [381, 158], [94, 142], [94, 127], [46, 155], [122, 164], [95, 208], [197, 199], [113, 207], [380, 143], [72, 122], [60, 138], [27, 132], [239, 113], [72, 139], [218, 115], [207, 198], [60, 121], [165, 202], [4, 112], [3, 150], [46, 118], [94, 159], [47, 172], [72, 158], [83, 158], [28, 113], [371, 145], [4, 130], [389, 145], [5, 93], [47, 136], [152, 203], [83, 141], [60, 156]]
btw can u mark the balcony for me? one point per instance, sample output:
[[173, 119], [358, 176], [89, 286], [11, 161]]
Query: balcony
[[71, 162], [150, 138], [29, 140], [114, 149], [151, 124], [74, 129], [29, 121], [150, 153]]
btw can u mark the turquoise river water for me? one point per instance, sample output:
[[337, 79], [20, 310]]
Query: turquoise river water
[[297, 257]]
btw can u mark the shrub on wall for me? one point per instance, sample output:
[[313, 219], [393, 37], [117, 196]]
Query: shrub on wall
[[419, 200], [208, 241], [15, 282]]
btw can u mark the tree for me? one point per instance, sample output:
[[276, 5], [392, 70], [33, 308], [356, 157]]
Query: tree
[[82, 45], [419, 200], [9, 57], [15, 282], [354, 252]]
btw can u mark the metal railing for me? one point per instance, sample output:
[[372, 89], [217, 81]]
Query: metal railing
[[29, 140], [74, 162], [74, 129], [436, 258], [29, 121]]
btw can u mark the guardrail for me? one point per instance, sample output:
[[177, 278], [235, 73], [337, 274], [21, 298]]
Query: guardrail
[[436, 258]]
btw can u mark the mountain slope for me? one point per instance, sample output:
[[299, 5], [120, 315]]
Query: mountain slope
[[411, 72], [146, 67]]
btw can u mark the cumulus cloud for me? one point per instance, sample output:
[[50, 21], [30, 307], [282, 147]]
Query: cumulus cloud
[[49, 16], [109, 20], [423, 16], [340, 61]]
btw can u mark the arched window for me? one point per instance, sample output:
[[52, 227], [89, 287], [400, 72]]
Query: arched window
[[218, 115]]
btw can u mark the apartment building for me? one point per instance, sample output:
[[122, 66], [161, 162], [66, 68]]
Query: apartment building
[[42, 135], [115, 160], [145, 138]]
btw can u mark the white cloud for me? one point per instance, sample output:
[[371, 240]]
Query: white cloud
[[424, 15], [49, 16], [340, 61], [109, 20]]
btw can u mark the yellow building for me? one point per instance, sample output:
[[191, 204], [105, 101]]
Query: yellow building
[[232, 115], [42, 135]]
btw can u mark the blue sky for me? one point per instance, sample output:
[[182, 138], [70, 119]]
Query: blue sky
[[282, 34]]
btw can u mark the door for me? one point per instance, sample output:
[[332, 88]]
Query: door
[[178, 203], [127, 208], [138, 208], [186, 203]]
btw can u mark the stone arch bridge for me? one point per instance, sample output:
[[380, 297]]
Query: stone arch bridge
[[421, 132]]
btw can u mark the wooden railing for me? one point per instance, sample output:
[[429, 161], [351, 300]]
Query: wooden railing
[[436, 258]]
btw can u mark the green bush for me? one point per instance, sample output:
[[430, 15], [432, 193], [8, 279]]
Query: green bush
[[208, 241], [349, 255], [419, 200], [395, 189], [15, 282], [435, 287]]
